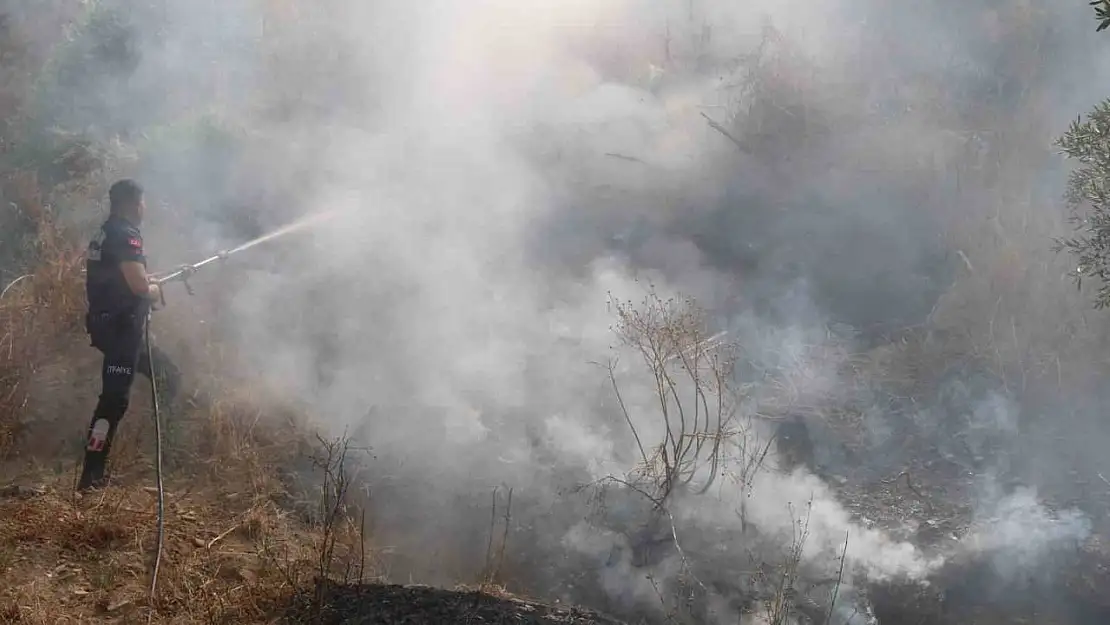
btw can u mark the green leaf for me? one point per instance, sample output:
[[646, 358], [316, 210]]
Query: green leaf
[[1102, 13]]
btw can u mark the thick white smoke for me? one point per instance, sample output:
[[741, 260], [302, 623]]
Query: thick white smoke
[[445, 320], [490, 160]]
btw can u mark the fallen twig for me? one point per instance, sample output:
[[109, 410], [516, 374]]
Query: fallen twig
[[223, 535], [724, 131]]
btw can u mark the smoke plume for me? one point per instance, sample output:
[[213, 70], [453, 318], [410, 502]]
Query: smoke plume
[[503, 170]]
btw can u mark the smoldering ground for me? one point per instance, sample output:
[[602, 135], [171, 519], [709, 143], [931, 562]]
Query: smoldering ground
[[504, 167]]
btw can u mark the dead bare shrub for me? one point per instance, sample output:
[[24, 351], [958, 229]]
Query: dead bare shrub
[[686, 426], [690, 436], [690, 374], [340, 543], [495, 556]]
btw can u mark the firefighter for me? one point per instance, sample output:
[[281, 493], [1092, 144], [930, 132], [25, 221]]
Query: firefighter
[[120, 297]]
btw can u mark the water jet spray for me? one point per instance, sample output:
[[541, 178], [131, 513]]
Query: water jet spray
[[184, 272]]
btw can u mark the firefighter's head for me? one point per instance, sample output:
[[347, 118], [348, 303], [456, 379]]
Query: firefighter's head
[[126, 200]]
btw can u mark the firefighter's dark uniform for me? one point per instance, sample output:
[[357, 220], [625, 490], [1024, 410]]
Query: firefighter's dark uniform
[[116, 324]]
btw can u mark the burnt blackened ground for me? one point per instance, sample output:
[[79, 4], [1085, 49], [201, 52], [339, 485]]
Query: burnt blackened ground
[[1066, 585], [1071, 591], [374, 604]]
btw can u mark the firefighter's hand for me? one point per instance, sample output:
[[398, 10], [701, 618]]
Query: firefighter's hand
[[154, 293]]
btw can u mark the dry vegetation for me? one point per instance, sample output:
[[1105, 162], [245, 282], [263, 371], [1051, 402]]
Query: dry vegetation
[[40, 311]]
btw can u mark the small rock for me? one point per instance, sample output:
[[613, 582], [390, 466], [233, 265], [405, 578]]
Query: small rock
[[199, 542], [118, 604]]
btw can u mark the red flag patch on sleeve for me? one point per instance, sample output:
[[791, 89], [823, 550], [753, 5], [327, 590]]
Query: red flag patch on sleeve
[[135, 243]]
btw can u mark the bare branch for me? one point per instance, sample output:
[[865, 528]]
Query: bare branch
[[624, 411]]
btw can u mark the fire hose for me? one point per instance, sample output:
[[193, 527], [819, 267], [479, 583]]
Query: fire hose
[[182, 274], [157, 461]]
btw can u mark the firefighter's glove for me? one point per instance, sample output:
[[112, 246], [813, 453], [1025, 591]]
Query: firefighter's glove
[[154, 294]]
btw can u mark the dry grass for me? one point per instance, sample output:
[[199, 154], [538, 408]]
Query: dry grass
[[236, 551], [41, 312], [80, 560]]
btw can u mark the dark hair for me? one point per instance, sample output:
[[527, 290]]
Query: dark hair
[[124, 194]]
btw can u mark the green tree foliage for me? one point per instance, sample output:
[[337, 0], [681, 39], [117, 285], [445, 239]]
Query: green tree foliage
[[1088, 192], [1102, 13], [1088, 196]]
